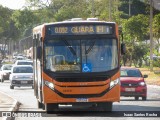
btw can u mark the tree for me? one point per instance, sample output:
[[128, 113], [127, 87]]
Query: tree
[[7, 29], [72, 9], [139, 52], [156, 28], [24, 20], [58, 10], [135, 30]]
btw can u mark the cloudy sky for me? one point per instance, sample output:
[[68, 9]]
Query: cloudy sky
[[12, 4]]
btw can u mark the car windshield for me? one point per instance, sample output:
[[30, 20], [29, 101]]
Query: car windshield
[[90, 55], [7, 67], [23, 70], [24, 63], [130, 73]]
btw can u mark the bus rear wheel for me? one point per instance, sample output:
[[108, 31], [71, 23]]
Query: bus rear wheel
[[51, 107]]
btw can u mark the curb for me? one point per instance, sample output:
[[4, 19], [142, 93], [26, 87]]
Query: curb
[[15, 107]]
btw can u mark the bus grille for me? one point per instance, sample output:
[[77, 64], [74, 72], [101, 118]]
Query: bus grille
[[81, 79]]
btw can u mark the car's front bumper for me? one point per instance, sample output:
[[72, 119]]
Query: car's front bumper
[[140, 91]]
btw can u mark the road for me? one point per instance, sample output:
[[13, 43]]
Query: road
[[25, 96]]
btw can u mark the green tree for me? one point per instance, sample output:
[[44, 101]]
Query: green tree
[[7, 29], [135, 30], [139, 52], [58, 10], [24, 20], [136, 7], [156, 28], [72, 9]]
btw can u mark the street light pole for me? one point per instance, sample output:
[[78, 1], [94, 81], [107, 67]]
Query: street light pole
[[151, 36]]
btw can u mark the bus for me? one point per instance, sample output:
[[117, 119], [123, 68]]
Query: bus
[[77, 63]]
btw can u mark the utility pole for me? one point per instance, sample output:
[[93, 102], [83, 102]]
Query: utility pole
[[151, 36]]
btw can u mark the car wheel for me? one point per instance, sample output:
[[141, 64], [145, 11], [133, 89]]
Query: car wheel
[[136, 98], [11, 87], [144, 98], [2, 80]]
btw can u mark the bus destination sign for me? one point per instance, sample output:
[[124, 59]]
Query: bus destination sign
[[80, 30]]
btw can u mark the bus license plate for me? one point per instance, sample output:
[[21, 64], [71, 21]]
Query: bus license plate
[[82, 100], [130, 89]]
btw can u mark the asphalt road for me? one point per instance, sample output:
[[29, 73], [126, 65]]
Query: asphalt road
[[126, 107]]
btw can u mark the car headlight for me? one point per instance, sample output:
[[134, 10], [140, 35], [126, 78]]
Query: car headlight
[[4, 73], [114, 82], [142, 83], [49, 84]]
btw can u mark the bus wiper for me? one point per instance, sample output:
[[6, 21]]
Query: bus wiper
[[70, 48], [90, 48]]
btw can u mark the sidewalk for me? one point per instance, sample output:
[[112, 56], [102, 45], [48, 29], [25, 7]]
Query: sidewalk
[[7, 104]]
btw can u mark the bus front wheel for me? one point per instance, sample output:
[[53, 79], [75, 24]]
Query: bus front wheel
[[105, 106], [51, 107]]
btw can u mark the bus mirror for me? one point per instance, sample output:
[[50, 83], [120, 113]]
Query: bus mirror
[[123, 48], [39, 52]]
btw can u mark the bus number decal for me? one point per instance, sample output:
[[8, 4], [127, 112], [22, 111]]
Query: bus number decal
[[61, 30]]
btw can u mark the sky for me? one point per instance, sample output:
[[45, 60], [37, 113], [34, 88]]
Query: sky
[[12, 4]]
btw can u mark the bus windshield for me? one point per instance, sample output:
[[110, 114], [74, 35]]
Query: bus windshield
[[83, 55]]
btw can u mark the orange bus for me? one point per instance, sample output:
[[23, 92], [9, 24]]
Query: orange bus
[[76, 63]]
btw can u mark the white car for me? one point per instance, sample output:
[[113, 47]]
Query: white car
[[21, 75], [5, 71], [23, 62]]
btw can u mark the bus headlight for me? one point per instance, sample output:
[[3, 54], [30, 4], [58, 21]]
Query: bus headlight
[[49, 84], [114, 82]]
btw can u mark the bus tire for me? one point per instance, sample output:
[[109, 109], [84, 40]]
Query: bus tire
[[51, 107], [105, 106]]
